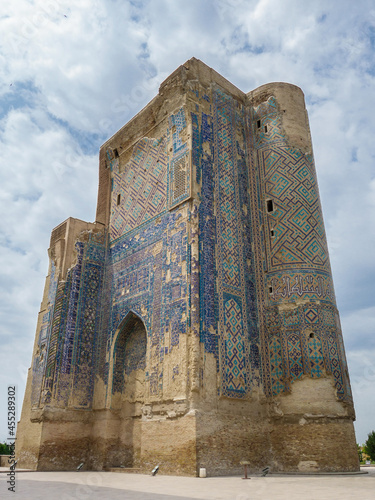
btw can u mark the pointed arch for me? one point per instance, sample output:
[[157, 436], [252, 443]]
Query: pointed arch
[[130, 316], [127, 357]]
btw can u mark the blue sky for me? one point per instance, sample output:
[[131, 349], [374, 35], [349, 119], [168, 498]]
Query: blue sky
[[72, 73]]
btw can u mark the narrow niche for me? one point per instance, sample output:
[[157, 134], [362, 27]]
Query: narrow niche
[[118, 199], [269, 205]]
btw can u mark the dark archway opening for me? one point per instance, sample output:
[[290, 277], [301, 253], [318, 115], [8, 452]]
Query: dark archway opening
[[128, 386]]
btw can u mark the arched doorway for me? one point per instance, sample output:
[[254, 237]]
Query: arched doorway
[[128, 386], [129, 359]]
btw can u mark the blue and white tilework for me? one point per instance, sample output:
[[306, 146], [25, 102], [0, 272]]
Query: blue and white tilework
[[253, 256]]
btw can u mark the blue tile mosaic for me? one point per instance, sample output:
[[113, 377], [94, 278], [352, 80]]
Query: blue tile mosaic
[[139, 285]]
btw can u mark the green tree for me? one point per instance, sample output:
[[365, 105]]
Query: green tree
[[4, 449], [369, 447], [360, 455]]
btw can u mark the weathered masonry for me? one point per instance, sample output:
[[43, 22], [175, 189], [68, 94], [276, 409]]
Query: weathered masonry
[[194, 323]]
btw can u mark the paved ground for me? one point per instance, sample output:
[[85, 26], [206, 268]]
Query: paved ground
[[112, 486]]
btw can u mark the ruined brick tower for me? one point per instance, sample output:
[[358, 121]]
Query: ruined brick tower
[[194, 323]]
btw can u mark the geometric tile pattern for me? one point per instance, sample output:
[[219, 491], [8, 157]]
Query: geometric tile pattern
[[177, 124], [297, 358], [65, 357], [40, 360], [267, 123], [313, 349], [303, 339], [225, 262], [137, 270], [233, 363], [335, 364], [291, 318], [328, 317], [204, 165], [140, 192], [57, 330], [312, 315], [85, 343], [180, 179], [227, 222], [316, 357], [73, 327], [77, 345], [236, 359], [296, 220], [294, 356], [179, 169], [276, 363]]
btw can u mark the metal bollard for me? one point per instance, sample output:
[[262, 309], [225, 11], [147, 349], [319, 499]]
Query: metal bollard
[[245, 463]]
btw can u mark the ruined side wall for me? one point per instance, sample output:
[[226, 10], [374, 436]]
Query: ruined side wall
[[29, 432], [70, 362], [304, 366], [64, 351]]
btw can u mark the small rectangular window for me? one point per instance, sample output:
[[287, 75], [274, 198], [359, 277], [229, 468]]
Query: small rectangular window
[[272, 233], [270, 289], [118, 199], [116, 153], [269, 205], [258, 123], [265, 129]]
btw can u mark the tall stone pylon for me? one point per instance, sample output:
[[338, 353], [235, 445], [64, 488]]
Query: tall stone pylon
[[194, 323]]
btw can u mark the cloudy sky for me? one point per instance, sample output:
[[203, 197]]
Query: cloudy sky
[[72, 73]]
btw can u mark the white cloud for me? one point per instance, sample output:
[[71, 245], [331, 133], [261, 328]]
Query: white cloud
[[362, 372], [79, 63], [43, 182]]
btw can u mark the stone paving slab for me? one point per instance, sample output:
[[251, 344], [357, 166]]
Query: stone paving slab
[[108, 485]]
